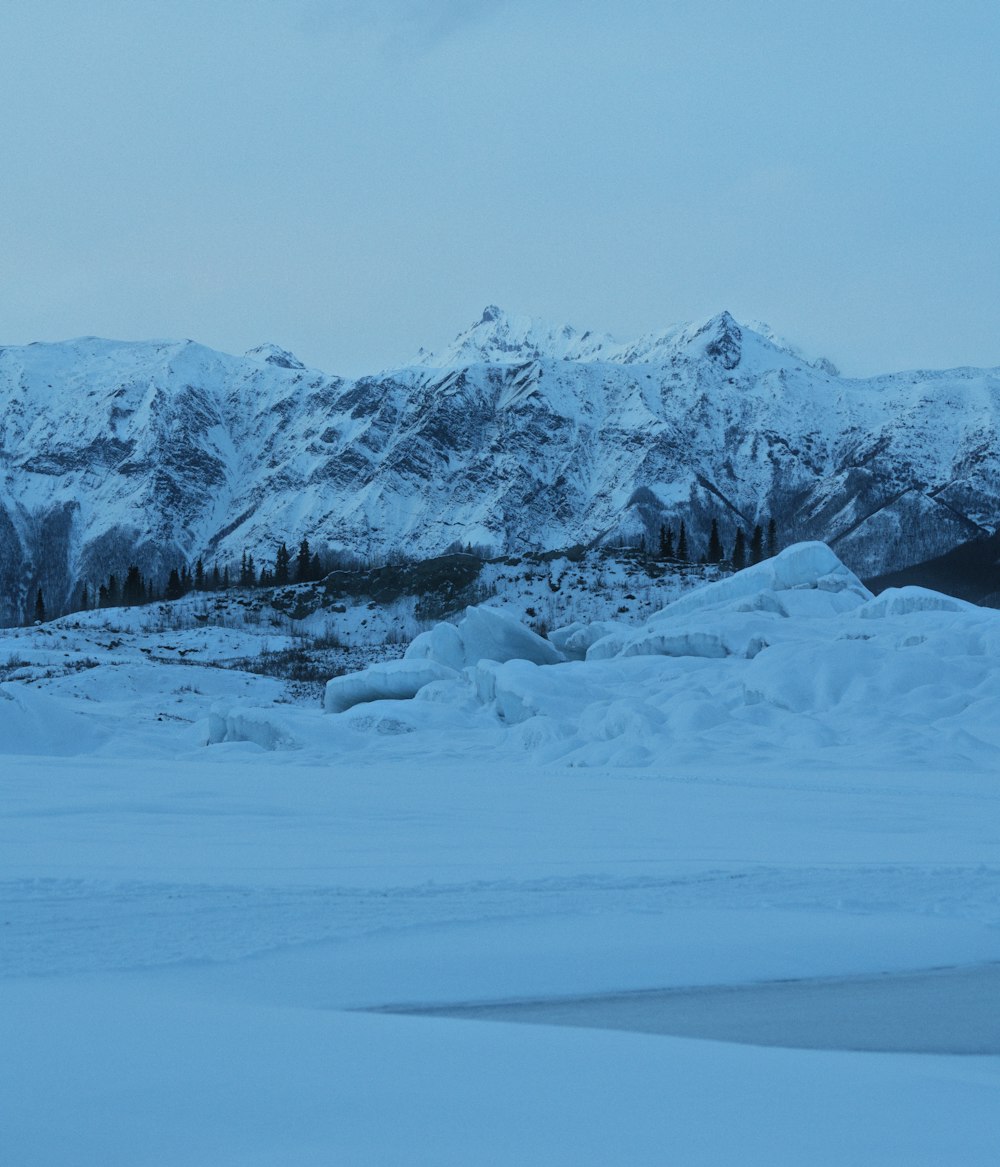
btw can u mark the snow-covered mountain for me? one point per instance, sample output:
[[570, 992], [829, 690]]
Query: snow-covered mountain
[[519, 436]]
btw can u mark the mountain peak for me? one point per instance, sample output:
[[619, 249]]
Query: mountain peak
[[271, 354], [723, 340], [501, 338], [498, 337]]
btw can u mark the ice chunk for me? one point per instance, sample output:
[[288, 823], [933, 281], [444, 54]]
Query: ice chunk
[[803, 565], [493, 635], [560, 636], [722, 634], [261, 727], [575, 640], [693, 642], [904, 601], [394, 679], [482, 634], [442, 643]]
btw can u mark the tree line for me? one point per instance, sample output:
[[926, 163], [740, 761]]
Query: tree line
[[762, 544], [307, 566], [134, 588]]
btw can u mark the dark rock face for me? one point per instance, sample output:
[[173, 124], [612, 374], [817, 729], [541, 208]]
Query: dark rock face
[[155, 454], [724, 341]]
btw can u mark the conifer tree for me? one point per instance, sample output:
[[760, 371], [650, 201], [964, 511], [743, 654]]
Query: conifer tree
[[772, 538], [114, 592], [225, 576], [133, 590], [756, 545], [85, 597], [281, 562], [199, 575], [666, 542], [682, 544], [316, 567], [303, 562], [739, 556], [102, 597], [714, 544], [216, 578], [248, 571], [175, 588], [39, 608]]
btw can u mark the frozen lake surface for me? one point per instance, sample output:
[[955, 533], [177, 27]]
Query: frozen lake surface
[[939, 1011]]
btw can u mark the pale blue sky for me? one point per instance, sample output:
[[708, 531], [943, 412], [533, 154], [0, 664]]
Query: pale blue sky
[[354, 180]]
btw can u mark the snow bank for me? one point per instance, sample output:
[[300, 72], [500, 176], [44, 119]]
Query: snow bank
[[33, 723]]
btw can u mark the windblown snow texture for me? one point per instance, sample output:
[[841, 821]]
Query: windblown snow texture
[[519, 436]]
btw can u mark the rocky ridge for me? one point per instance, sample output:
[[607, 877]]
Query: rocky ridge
[[520, 436]]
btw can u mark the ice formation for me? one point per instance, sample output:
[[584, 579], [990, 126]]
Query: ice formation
[[793, 653]]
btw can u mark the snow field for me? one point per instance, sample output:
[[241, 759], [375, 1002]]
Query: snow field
[[181, 941], [205, 890]]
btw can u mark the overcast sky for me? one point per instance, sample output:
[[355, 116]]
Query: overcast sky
[[354, 180]]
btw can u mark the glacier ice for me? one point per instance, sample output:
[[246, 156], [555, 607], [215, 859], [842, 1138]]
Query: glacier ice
[[393, 680], [482, 634], [793, 653]]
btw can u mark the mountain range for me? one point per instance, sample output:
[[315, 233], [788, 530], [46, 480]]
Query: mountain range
[[520, 435]]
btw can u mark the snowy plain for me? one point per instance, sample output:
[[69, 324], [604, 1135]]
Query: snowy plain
[[232, 925]]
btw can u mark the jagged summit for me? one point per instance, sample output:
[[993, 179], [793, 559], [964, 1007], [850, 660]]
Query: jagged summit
[[719, 338], [499, 337], [271, 354]]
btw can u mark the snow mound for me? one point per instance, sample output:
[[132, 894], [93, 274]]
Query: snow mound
[[906, 601], [736, 616], [256, 726], [33, 723], [482, 634], [807, 566], [394, 680]]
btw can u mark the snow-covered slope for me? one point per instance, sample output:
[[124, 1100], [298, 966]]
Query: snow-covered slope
[[519, 436]]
